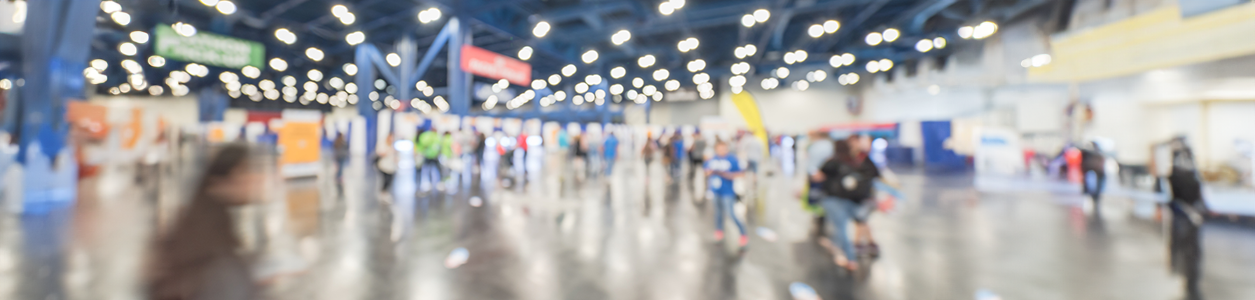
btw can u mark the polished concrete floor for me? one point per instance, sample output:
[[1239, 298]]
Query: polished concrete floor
[[631, 235]]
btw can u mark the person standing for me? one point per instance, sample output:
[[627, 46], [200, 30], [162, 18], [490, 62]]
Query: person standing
[[387, 162], [677, 154], [428, 147], [611, 150], [817, 153], [697, 153], [1092, 168], [721, 170], [847, 181], [1175, 162]]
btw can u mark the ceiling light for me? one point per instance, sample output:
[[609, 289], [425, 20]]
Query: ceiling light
[[109, 7], [748, 20], [357, 37], [314, 75], [157, 61], [99, 64], [620, 37], [266, 85], [790, 58], [339, 10], [984, 30], [289, 81], [646, 61], [661, 74], [891, 35], [848, 59], [581, 87], [286, 36], [701, 78], [831, 26], [121, 17], [649, 90], [226, 7], [250, 72], [737, 80], [939, 43], [762, 15], [820, 76], [750, 50], [800, 55], [815, 31], [569, 70], [348, 18], [782, 72], [965, 32], [314, 54], [696, 65], [672, 85], [852, 78], [873, 38], [525, 53], [541, 29], [350, 69], [393, 59], [836, 61], [618, 72], [278, 64], [593, 79], [538, 84], [184, 29], [589, 56], [139, 37], [638, 82], [555, 79], [886, 65], [801, 85], [770, 83], [616, 89], [924, 45], [127, 49], [666, 8], [873, 66]]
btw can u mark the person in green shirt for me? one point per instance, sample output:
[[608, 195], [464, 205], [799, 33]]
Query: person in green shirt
[[428, 145]]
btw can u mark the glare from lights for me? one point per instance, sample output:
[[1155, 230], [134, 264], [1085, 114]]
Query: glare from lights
[[638, 82], [139, 37], [873, 66], [354, 38], [541, 29], [886, 65], [818, 76], [184, 29], [740, 68], [666, 8], [688, 44], [555, 79], [891, 34], [157, 61], [939, 43], [121, 17], [761, 15], [99, 64], [347, 18], [750, 50], [266, 85], [657, 97], [801, 85], [984, 30], [696, 65], [790, 58], [831, 26], [847, 59], [701, 78], [589, 56], [314, 54], [748, 20], [593, 79], [620, 37], [127, 49], [737, 80], [525, 53], [966, 32], [770, 83], [1040, 60], [836, 61], [429, 15], [581, 88], [924, 45], [350, 87], [631, 94], [335, 82], [934, 90], [393, 59], [131, 66], [225, 7], [227, 76], [672, 85], [800, 55], [661, 74], [815, 31], [873, 39], [314, 75], [289, 80], [618, 72], [560, 95], [782, 72], [616, 89], [278, 64], [649, 90], [109, 6], [646, 61], [286, 36], [350, 69], [569, 70], [577, 99], [536, 84]]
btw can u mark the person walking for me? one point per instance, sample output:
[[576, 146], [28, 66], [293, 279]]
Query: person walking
[[427, 146], [387, 162], [696, 153], [1175, 163], [847, 186], [611, 150], [721, 170]]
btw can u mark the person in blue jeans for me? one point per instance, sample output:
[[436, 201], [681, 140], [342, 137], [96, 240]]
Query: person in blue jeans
[[848, 188], [721, 170]]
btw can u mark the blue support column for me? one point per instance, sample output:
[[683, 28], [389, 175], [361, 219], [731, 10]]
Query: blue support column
[[365, 84], [459, 80], [56, 41]]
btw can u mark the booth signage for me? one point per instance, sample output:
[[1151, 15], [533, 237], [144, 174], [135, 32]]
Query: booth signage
[[482, 62], [208, 48]]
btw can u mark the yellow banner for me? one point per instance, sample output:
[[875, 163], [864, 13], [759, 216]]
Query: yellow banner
[[753, 119]]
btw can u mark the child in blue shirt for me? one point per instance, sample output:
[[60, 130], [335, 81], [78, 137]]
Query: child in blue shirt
[[721, 170]]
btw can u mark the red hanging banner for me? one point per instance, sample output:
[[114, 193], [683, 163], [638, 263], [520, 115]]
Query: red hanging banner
[[482, 62]]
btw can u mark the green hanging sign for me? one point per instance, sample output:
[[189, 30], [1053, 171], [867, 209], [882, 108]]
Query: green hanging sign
[[209, 49]]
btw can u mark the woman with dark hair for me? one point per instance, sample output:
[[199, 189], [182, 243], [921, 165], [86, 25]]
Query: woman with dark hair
[[197, 258]]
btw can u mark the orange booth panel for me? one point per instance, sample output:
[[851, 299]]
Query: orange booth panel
[[300, 142]]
